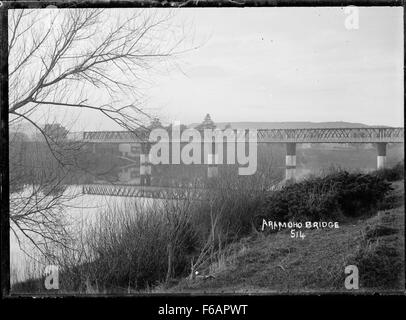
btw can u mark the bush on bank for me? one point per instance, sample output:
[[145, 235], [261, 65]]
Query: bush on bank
[[337, 195], [128, 249], [395, 173]]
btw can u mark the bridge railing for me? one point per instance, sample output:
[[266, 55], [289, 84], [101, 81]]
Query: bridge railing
[[332, 135], [319, 135], [143, 191], [114, 135]]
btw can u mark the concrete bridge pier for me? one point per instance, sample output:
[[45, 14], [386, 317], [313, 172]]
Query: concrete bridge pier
[[145, 165], [381, 157], [212, 169], [290, 161]]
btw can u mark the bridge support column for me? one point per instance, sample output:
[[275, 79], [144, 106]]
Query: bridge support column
[[290, 161], [145, 165], [381, 157], [212, 169]]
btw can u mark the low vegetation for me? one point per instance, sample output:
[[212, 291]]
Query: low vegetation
[[275, 263], [337, 195], [177, 245], [395, 173]]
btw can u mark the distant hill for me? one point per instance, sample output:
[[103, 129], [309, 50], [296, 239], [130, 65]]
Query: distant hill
[[289, 125]]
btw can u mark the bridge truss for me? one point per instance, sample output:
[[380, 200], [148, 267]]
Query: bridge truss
[[333, 135], [143, 191], [319, 135]]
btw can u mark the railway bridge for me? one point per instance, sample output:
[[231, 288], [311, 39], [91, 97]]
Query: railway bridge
[[380, 136]]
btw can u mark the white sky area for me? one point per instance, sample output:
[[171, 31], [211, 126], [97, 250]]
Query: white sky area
[[281, 64]]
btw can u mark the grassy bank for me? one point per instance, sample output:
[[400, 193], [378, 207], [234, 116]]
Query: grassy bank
[[277, 263], [216, 245]]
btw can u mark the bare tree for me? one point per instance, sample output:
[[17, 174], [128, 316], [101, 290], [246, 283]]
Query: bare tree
[[79, 59], [86, 50]]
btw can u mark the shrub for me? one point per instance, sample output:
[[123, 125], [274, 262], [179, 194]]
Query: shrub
[[395, 173], [332, 196], [236, 200], [128, 248]]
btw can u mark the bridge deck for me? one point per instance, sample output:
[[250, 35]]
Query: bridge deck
[[323, 135]]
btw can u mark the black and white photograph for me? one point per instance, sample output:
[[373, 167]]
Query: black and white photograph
[[192, 149]]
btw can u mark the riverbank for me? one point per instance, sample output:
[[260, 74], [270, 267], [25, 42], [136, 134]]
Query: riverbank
[[277, 263], [217, 246]]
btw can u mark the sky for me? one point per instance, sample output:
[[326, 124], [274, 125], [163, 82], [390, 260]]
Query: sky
[[280, 64], [289, 64]]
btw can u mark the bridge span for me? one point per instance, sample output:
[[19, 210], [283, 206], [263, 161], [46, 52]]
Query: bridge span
[[309, 135], [380, 136], [153, 192]]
